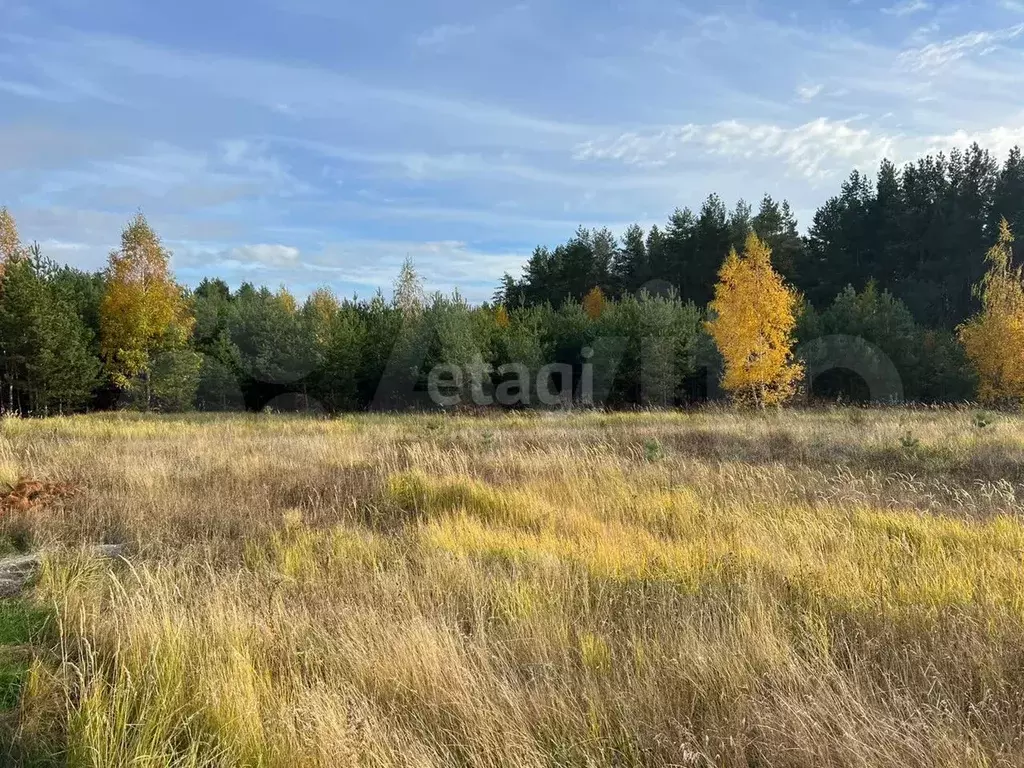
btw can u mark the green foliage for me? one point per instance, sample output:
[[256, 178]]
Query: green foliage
[[569, 271], [982, 419], [143, 312], [337, 383], [920, 231], [175, 379], [658, 338], [266, 328], [21, 624], [888, 260], [653, 450], [46, 358], [930, 365]]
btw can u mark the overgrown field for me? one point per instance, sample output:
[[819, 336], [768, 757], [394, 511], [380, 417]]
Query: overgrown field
[[841, 587]]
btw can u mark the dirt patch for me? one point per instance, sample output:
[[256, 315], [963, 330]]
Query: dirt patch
[[28, 494]]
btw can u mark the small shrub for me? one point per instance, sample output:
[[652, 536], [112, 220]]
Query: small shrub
[[653, 450], [909, 442], [983, 419]]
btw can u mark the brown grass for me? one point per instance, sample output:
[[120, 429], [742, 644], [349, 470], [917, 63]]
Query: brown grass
[[806, 589]]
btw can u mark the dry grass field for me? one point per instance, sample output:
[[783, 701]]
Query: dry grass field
[[813, 588]]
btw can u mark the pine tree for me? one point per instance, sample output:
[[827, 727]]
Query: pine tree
[[711, 239], [1008, 197], [509, 292], [753, 321], [630, 269], [740, 224], [342, 357], [70, 366], [214, 310], [23, 336], [46, 361], [672, 259], [272, 340], [994, 338], [776, 225]]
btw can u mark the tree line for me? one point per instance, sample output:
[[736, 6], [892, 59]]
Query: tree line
[[919, 233], [891, 272]]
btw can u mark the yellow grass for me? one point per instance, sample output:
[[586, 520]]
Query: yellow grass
[[822, 588]]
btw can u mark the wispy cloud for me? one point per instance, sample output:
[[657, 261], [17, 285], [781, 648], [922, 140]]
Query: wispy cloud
[[28, 90], [304, 91], [814, 149], [264, 255], [999, 140], [936, 55], [441, 263], [364, 264], [907, 8], [443, 34], [809, 92], [375, 140]]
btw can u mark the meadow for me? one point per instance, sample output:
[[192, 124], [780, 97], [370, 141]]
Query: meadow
[[836, 587]]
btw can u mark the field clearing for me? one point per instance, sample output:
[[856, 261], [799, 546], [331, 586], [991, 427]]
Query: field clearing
[[810, 588]]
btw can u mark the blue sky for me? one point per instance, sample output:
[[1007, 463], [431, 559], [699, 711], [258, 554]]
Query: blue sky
[[314, 143]]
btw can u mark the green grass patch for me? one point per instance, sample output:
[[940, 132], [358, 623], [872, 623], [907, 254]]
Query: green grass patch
[[13, 671], [21, 626], [21, 623]]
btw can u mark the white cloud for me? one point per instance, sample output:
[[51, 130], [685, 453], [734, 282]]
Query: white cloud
[[936, 55], [999, 140], [464, 177], [264, 255], [442, 264], [49, 245], [443, 34], [302, 91], [814, 149], [366, 264], [809, 92], [27, 90], [907, 8]]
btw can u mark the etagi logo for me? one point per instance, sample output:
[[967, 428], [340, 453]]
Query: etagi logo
[[589, 383], [553, 384]]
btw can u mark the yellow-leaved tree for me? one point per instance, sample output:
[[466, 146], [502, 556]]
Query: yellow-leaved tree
[[753, 315], [143, 311], [994, 338], [594, 303], [501, 317], [10, 243]]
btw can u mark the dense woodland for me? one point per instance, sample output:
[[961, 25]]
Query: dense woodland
[[891, 261]]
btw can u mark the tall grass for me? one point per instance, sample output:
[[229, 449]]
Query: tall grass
[[805, 589]]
